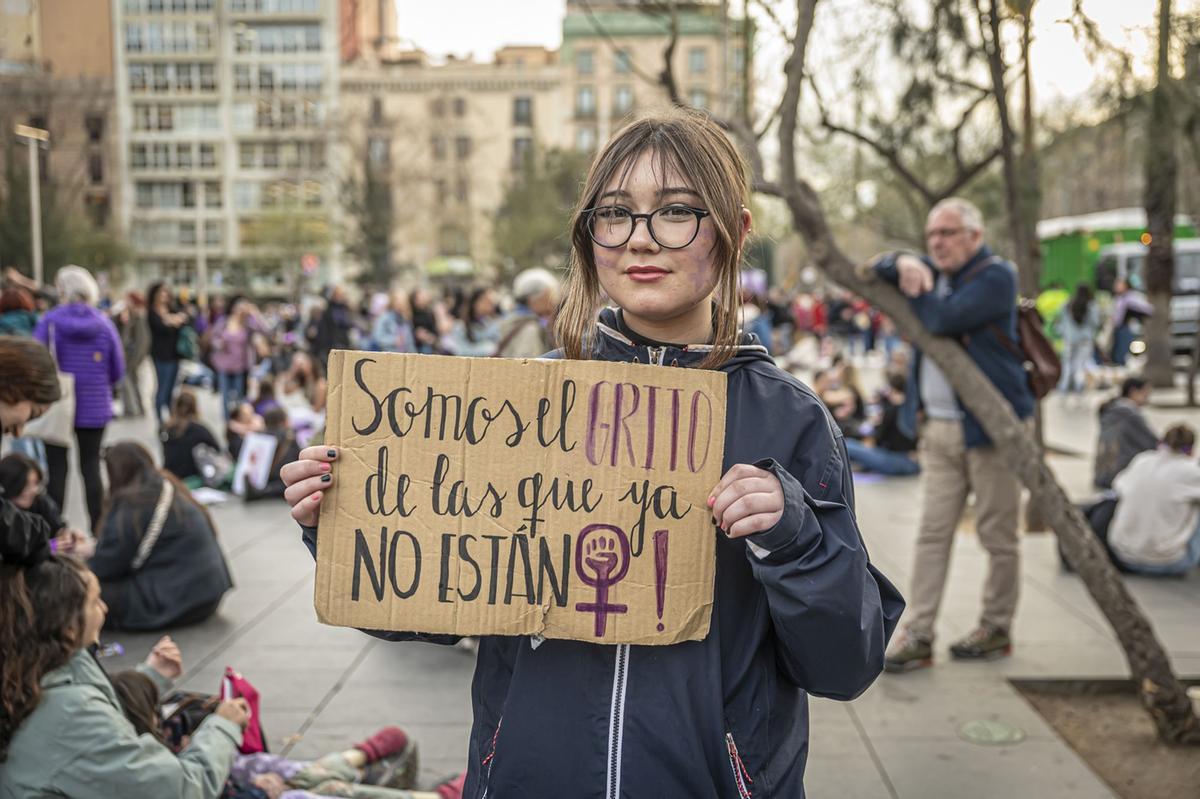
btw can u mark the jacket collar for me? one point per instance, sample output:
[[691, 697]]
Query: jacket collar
[[983, 254], [612, 345], [81, 669]]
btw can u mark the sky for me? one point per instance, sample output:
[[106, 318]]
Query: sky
[[1061, 67]]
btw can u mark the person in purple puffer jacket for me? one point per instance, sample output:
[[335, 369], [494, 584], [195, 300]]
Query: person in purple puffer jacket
[[87, 346]]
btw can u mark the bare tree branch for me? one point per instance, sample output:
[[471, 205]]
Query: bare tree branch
[[594, 21]]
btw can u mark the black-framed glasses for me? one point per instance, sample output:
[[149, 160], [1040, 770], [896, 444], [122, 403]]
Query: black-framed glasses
[[672, 226]]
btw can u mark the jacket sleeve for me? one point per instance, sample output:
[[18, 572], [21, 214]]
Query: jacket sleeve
[[115, 548], [980, 301], [114, 760], [309, 536], [833, 612], [1138, 434], [42, 331], [24, 537]]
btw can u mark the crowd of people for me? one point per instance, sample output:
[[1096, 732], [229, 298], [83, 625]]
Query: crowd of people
[[793, 567]]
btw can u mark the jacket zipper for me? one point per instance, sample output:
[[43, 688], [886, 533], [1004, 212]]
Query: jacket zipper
[[740, 776], [616, 718], [616, 723]]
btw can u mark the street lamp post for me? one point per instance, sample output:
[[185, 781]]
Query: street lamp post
[[33, 138]]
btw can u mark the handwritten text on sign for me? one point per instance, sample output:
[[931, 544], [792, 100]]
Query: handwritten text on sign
[[484, 496]]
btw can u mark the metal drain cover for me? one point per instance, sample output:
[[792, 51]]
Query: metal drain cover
[[990, 733]]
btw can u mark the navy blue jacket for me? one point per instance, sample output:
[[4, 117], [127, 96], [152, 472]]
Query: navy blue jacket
[[982, 299], [722, 717]]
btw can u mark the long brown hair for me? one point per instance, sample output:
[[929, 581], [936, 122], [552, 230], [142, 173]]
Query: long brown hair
[[139, 699], [41, 626], [691, 144], [184, 411], [29, 372], [134, 485]]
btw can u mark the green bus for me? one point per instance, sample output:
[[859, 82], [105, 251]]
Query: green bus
[[1071, 245]]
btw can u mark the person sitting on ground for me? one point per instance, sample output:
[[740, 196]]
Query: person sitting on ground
[[158, 559], [29, 388], [287, 450], [265, 400], [892, 450], [23, 483], [180, 436], [1124, 431], [1156, 529], [63, 731], [242, 422]]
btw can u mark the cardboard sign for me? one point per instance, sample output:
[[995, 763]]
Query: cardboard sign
[[482, 496]]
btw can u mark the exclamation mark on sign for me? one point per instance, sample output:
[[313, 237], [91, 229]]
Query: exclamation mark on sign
[[660, 572]]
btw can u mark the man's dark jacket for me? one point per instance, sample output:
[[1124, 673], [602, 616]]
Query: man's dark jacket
[[981, 304]]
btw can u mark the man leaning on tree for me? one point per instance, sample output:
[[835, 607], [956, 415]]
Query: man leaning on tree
[[963, 291]]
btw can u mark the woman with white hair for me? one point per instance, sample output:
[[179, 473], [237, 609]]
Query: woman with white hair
[[86, 345]]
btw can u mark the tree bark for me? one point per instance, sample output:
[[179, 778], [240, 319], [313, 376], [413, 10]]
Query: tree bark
[[1161, 171], [1160, 690]]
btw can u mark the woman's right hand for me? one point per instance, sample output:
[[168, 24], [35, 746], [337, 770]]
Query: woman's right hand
[[306, 480], [236, 710]]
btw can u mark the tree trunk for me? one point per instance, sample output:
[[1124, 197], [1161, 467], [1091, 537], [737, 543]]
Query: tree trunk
[[1161, 169], [1161, 691]]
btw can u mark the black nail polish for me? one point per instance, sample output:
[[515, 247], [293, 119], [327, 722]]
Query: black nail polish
[[325, 478], [331, 453]]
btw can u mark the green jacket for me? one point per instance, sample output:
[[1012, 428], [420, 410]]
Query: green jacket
[[78, 744]]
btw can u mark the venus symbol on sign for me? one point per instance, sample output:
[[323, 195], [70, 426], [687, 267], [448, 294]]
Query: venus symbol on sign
[[604, 549]]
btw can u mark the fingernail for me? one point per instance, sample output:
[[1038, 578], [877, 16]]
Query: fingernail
[[711, 500], [315, 497], [331, 453], [325, 478], [325, 467]]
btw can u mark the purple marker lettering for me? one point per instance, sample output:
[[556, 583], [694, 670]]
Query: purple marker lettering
[[651, 420], [621, 422], [692, 431], [674, 425], [660, 572], [604, 548], [594, 423]]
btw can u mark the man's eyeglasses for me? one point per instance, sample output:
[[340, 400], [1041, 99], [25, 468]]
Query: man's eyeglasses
[[942, 232], [673, 226]]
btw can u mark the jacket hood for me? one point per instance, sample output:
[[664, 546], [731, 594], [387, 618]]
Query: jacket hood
[[612, 344], [81, 669], [76, 321]]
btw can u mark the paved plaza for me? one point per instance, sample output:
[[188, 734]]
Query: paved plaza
[[325, 687]]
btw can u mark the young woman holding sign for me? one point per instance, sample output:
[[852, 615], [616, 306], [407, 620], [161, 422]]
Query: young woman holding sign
[[798, 608]]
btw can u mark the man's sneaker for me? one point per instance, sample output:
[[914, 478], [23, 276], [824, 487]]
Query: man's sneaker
[[911, 653], [983, 643]]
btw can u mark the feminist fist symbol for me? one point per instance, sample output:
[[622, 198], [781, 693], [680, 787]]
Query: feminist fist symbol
[[605, 550]]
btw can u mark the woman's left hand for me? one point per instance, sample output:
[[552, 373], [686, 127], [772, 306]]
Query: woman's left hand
[[748, 500], [166, 659]]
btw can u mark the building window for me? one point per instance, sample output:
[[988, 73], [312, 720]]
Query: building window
[[133, 38], [739, 60], [462, 148], [585, 102], [187, 233], [212, 232], [623, 100], [378, 149], [438, 107], [698, 98], [583, 62], [522, 110], [137, 156], [246, 155], [212, 194], [698, 60], [522, 152], [460, 107], [208, 156], [183, 78], [208, 78], [94, 125], [622, 63], [439, 148], [137, 78], [183, 156], [160, 156], [270, 155], [439, 190], [376, 111], [585, 139], [461, 190], [160, 81], [95, 169], [241, 78]]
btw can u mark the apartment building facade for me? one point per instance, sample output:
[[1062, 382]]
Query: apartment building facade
[[225, 109]]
